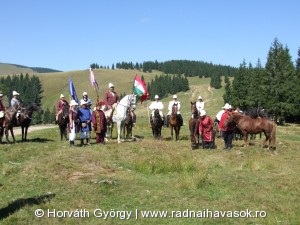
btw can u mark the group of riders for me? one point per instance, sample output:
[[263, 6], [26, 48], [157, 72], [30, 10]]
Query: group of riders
[[83, 119]]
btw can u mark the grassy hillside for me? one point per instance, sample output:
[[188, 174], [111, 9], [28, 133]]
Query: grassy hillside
[[165, 176]]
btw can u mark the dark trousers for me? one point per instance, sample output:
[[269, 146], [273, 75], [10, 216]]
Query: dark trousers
[[228, 137], [100, 138]]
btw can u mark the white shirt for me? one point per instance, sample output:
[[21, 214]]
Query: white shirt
[[199, 105], [156, 105], [219, 114], [171, 103]]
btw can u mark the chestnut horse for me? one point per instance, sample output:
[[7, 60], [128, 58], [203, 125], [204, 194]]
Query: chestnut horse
[[248, 125], [193, 126], [174, 122]]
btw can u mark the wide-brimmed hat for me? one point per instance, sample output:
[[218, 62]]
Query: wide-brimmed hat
[[174, 96], [202, 112], [14, 93], [200, 97], [110, 85], [62, 96], [84, 93], [156, 97], [226, 106], [73, 103], [82, 102]]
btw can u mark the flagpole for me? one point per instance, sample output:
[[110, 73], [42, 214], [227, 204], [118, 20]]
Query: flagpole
[[148, 113]]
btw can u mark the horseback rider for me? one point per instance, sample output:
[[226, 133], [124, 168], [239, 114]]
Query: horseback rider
[[2, 110], [111, 98], [16, 105], [156, 105], [200, 104], [60, 106], [171, 103]]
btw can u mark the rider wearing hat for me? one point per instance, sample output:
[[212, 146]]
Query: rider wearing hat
[[170, 106], [200, 104], [15, 104], [60, 105], [2, 110], [111, 97], [156, 105]]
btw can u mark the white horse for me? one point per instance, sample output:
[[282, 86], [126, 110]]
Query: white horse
[[119, 114]]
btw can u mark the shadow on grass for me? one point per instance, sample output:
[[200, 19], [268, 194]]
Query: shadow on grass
[[22, 202]]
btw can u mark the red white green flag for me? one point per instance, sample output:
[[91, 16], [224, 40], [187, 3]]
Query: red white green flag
[[139, 88]]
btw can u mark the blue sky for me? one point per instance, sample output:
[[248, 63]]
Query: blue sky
[[70, 35]]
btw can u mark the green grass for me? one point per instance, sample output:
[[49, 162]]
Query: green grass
[[148, 174]]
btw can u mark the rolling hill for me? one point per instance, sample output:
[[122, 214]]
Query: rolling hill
[[10, 69]]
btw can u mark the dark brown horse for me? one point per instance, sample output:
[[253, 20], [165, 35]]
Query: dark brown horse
[[156, 124], [127, 126], [193, 126], [62, 121], [249, 125], [174, 122], [24, 120]]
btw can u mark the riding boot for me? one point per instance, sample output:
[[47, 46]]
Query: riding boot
[[81, 142], [88, 141]]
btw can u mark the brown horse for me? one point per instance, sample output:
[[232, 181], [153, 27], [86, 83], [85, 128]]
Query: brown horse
[[24, 120], [127, 127], [248, 125], [62, 121], [174, 122], [193, 126], [156, 124]]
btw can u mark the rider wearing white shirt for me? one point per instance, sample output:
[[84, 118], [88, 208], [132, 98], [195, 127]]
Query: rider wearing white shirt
[[200, 104], [156, 105], [171, 103]]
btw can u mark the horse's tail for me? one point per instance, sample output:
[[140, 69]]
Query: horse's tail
[[273, 135]]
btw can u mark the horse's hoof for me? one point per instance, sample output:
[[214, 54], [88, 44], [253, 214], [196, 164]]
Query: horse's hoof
[[119, 142]]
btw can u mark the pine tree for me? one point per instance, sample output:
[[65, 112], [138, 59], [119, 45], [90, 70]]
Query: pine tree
[[280, 73]]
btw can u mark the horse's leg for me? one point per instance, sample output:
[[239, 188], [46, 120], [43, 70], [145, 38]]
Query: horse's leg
[[26, 130], [12, 134], [23, 134], [66, 134], [6, 134], [119, 131], [172, 132], [245, 136]]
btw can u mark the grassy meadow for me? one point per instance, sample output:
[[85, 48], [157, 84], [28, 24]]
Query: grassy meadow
[[180, 185]]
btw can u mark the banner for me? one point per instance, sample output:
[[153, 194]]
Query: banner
[[139, 88], [72, 90]]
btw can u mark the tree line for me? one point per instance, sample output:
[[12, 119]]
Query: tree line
[[30, 90], [275, 87]]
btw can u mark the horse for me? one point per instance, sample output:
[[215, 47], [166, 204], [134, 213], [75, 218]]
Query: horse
[[119, 114], [24, 120], [128, 125], [174, 122], [249, 125], [156, 124], [193, 126], [62, 121]]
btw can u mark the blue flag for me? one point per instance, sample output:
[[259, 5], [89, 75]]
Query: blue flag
[[72, 90]]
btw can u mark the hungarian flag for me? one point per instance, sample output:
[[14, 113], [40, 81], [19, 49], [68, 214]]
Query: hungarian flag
[[139, 88], [72, 90], [93, 80]]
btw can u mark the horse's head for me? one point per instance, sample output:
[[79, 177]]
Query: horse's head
[[175, 108], [35, 107], [263, 113], [156, 113], [194, 109], [132, 101], [65, 112], [229, 119]]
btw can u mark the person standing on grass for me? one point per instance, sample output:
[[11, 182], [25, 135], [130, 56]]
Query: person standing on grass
[[72, 122], [85, 118], [99, 123], [206, 130], [228, 131]]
